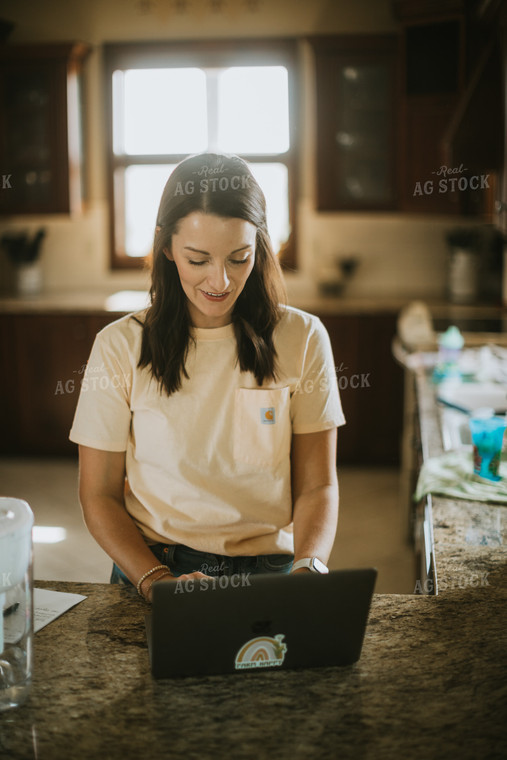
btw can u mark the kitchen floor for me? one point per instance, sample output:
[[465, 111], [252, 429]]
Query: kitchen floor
[[371, 530]]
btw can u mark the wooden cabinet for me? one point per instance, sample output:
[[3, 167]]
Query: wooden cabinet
[[371, 388], [42, 358], [475, 138], [40, 135], [501, 201], [432, 66], [413, 121], [355, 79]]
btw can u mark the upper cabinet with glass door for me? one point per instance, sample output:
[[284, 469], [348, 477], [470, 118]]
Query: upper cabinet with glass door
[[355, 86], [168, 103], [40, 134]]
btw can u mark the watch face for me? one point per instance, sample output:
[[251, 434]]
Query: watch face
[[319, 566]]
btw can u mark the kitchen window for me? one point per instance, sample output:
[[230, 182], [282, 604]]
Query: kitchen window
[[169, 100]]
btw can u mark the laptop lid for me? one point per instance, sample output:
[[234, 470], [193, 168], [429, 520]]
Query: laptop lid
[[232, 624]]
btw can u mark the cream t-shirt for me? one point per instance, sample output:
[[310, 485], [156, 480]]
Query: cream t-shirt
[[209, 466]]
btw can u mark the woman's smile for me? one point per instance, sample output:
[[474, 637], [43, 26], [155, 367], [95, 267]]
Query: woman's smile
[[215, 296]]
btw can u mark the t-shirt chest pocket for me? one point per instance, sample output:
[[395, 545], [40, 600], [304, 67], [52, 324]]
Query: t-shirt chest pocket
[[262, 426]]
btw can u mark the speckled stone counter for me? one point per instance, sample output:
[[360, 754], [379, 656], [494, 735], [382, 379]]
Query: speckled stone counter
[[470, 537], [431, 683]]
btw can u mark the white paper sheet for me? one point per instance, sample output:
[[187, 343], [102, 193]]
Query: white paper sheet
[[48, 605]]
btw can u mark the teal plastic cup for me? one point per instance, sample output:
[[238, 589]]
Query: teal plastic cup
[[487, 437]]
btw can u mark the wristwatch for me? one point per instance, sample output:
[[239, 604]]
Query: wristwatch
[[312, 563]]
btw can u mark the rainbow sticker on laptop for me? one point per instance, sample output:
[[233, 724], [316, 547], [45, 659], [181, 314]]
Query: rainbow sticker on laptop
[[261, 652]]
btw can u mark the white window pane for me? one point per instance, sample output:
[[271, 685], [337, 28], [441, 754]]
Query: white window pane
[[143, 191], [274, 181], [143, 186], [253, 110], [163, 111]]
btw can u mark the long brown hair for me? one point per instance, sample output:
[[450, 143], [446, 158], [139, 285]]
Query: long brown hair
[[222, 185]]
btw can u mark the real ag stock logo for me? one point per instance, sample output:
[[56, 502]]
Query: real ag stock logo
[[451, 180]]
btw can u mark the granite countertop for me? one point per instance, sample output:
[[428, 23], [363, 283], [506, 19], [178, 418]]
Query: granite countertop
[[431, 682], [470, 537]]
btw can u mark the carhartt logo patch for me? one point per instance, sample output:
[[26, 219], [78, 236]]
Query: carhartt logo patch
[[268, 415]]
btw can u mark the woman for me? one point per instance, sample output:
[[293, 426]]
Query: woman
[[207, 424]]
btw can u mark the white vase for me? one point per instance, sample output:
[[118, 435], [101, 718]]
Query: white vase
[[29, 279]]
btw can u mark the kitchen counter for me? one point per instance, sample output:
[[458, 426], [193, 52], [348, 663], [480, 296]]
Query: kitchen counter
[[80, 301], [431, 682], [132, 300], [470, 537]]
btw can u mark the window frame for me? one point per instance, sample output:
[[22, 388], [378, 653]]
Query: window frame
[[202, 54]]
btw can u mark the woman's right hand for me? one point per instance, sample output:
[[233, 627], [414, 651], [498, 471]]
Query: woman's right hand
[[164, 578]]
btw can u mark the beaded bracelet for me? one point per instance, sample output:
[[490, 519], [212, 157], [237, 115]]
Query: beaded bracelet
[[146, 575], [162, 575]]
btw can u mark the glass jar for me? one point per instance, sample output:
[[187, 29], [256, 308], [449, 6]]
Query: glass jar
[[16, 601]]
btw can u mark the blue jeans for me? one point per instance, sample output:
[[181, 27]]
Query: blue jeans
[[181, 560]]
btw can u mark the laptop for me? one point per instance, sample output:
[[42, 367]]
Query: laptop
[[245, 623]]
